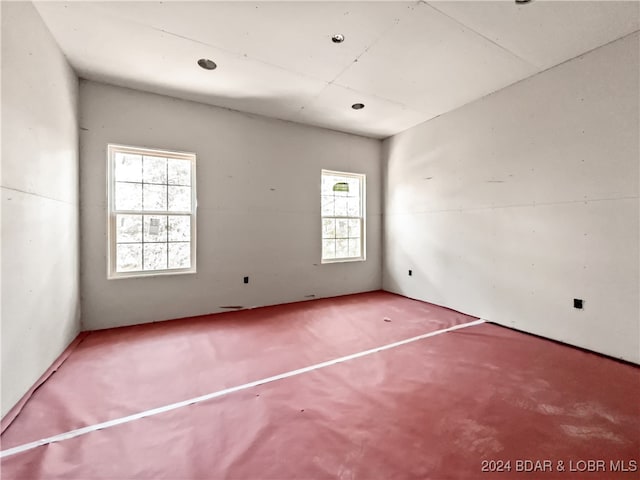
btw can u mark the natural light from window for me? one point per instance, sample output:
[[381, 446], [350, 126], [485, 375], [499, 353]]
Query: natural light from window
[[151, 212], [342, 205]]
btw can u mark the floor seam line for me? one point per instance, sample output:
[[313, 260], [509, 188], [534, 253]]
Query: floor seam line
[[210, 396]]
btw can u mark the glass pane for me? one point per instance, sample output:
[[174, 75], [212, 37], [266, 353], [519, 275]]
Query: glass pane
[[179, 172], [155, 256], [328, 181], [128, 257], [155, 228], [179, 199], [354, 187], [128, 196], [354, 228], [154, 170], [342, 248], [128, 168], [353, 208], [328, 203], [128, 228], [328, 228], [180, 255], [155, 197], [328, 249], [179, 228], [341, 206], [342, 228], [354, 247]]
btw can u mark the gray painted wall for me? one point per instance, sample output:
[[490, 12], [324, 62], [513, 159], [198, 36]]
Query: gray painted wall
[[258, 207], [39, 185], [512, 206]]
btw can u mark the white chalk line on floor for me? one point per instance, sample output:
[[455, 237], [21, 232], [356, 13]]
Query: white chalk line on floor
[[185, 403]]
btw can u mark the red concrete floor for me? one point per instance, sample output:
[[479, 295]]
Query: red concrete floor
[[480, 402]]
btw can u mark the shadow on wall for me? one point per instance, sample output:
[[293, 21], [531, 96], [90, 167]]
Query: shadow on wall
[[286, 105]]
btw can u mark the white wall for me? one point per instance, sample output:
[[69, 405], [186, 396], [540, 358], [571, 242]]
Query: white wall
[[510, 207], [258, 207], [40, 279]]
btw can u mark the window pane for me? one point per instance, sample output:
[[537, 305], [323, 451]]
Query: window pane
[[179, 228], [155, 256], [179, 172], [328, 181], [328, 249], [341, 189], [155, 228], [150, 208], [328, 206], [180, 255], [354, 247], [128, 168], [342, 228], [155, 197], [354, 187], [353, 208], [154, 169], [340, 185], [179, 199], [128, 196], [128, 228], [328, 228], [128, 257], [354, 228], [341, 206], [342, 248]]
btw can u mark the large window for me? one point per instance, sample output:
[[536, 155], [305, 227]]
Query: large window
[[343, 200], [152, 221]]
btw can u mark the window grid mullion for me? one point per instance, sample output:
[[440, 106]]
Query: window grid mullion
[[142, 212], [151, 212], [332, 197], [154, 183]]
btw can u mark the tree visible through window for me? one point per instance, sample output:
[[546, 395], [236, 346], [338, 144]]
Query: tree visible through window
[[151, 212], [342, 205]]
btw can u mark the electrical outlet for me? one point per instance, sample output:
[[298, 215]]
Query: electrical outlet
[[246, 279], [577, 303], [410, 273]]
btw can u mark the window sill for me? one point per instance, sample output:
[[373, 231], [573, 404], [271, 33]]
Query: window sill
[[343, 260], [152, 273]]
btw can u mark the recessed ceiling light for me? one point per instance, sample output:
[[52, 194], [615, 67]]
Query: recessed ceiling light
[[337, 38], [357, 106], [207, 64]]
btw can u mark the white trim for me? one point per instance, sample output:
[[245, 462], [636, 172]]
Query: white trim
[[185, 403], [112, 274], [362, 178]]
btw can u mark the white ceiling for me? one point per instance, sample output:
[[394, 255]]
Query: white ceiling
[[406, 61]]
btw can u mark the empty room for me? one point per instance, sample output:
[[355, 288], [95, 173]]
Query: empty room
[[320, 240]]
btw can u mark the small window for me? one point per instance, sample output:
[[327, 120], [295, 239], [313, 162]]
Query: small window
[[343, 229], [152, 212]]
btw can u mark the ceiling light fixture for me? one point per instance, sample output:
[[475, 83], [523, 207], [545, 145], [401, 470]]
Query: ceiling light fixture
[[207, 64], [337, 38], [522, 2], [357, 106]]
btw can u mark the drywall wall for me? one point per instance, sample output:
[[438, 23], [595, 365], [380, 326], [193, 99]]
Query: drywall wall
[[40, 276], [258, 207], [512, 206]]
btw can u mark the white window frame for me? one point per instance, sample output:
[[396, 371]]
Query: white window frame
[[362, 178], [112, 149]]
